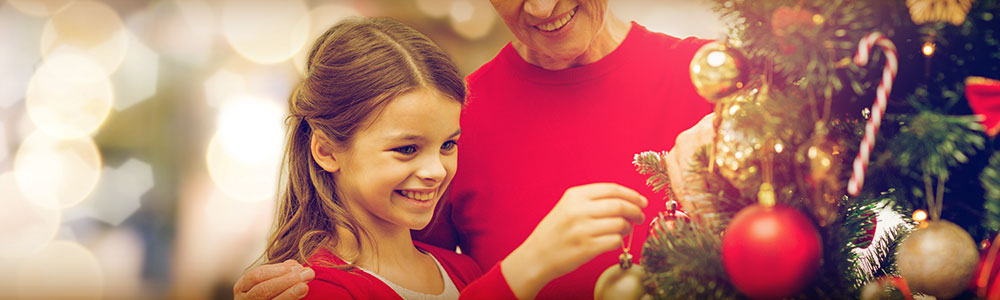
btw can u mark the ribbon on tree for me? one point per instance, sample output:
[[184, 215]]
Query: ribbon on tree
[[878, 108]]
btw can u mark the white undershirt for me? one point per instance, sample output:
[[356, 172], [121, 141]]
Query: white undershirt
[[450, 291]]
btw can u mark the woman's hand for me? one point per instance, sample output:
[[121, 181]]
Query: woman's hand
[[285, 281], [588, 220], [680, 158]]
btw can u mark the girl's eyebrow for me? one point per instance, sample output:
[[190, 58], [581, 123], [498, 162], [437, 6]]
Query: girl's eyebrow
[[413, 137]]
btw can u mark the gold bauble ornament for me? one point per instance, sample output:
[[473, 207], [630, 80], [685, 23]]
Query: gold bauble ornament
[[717, 71], [622, 281], [739, 141], [927, 11], [938, 259], [823, 156]]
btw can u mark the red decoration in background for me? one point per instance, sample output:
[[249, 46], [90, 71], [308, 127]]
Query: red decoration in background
[[984, 98], [985, 282], [771, 252], [784, 19], [866, 241]]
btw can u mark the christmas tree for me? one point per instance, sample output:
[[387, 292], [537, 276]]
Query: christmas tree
[[802, 160]]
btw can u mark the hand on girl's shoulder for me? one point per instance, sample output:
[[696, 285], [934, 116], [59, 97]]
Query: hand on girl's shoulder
[[334, 283]]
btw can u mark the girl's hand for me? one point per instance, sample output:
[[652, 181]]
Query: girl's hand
[[588, 220]]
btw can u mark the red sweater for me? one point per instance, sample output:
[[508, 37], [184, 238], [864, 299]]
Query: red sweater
[[331, 283], [528, 134]]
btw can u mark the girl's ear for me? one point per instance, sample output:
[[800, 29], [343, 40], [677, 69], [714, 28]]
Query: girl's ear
[[322, 152]]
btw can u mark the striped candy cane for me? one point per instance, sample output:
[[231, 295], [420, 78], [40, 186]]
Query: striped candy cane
[[878, 109]]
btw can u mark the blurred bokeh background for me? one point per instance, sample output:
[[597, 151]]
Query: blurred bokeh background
[[140, 140]]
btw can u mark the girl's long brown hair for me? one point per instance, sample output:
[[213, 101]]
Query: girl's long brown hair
[[354, 69]]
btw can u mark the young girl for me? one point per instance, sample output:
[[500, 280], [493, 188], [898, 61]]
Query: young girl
[[372, 145]]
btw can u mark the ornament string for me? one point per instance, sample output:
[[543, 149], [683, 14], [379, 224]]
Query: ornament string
[[878, 108], [625, 259]]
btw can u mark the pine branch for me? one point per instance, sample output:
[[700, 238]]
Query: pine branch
[[685, 263], [653, 163]]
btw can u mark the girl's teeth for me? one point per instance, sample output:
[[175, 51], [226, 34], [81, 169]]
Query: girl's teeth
[[418, 196]]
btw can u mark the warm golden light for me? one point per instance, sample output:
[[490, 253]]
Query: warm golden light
[[246, 181], [244, 155], [919, 215], [40, 8], [265, 31], [61, 270], [56, 173], [472, 19], [24, 227], [928, 48], [69, 96], [88, 27]]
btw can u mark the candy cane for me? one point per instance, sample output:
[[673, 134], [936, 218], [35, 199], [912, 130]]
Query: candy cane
[[878, 109]]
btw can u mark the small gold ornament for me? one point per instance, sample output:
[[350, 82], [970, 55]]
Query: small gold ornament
[[740, 140], [938, 259], [622, 281], [717, 71], [824, 158], [927, 11]]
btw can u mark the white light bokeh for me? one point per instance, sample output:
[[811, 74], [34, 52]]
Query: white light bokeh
[[4, 150], [118, 193], [90, 27], [251, 128], [472, 19], [55, 173], [69, 96], [61, 270], [40, 8], [265, 31], [223, 85], [24, 227], [434, 8], [321, 18], [244, 155], [19, 52], [136, 79]]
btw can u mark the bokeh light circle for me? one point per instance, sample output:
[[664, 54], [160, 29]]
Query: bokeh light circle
[[321, 18], [244, 155], [241, 180], [24, 227], [40, 8], [69, 96], [265, 31], [56, 173], [61, 270], [251, 128], [93, 28], [472, 19]]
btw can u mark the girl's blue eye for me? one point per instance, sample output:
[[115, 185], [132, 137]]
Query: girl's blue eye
[[449, 145], [407, 150]]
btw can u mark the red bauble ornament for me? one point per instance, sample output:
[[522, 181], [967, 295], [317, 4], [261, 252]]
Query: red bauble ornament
[[669, 219], [771, 252]]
